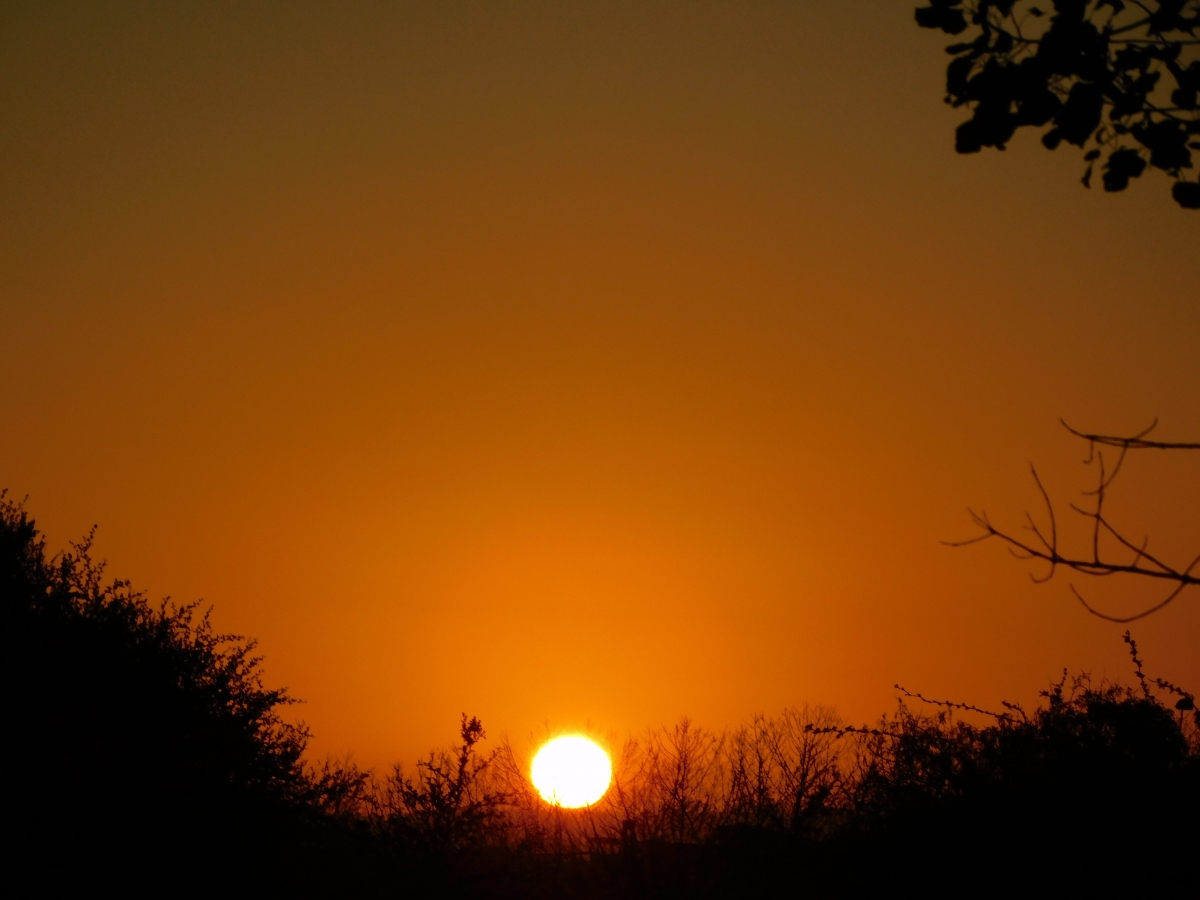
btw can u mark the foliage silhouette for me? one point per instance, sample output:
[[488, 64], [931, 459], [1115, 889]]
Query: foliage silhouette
[[1114, 77], [150, 756], [443, 809], [1095, 763], [804, 801], [145, 743]]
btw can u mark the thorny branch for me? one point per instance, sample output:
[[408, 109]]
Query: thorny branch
[[1044, 544], [968, 707]]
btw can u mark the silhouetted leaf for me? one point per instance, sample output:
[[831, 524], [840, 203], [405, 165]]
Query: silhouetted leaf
[[1080, 115], [1073, 46], [1186, 194], [942, 14], [1167, 142], [1038, 107], [1132, 99], [1184, 98], [1132, 58], [968, 137], [957, 74], [1122, 165], [1167, 17]]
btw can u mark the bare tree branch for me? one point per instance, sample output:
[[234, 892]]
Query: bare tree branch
[[1135, 442], [1046, 548], [952, 704]]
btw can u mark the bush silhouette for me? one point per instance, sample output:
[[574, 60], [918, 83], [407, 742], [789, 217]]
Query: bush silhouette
[[142, 743], [146, 753], [1096, 766]]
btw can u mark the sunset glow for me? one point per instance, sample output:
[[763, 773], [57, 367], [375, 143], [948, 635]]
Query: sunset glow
[[600, 448], [571, 772], [422, 339]]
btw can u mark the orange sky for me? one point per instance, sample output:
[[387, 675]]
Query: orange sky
[[570, 363]]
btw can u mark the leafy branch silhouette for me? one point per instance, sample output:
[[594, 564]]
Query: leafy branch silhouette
[[1089, 58], [1044, 545]]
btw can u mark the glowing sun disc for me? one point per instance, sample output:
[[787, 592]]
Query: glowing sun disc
[[571, 771]]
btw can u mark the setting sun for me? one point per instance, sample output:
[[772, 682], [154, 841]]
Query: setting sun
[[611, 420], [571, 772]]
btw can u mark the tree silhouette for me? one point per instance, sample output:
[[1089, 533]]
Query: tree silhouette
[[1117, 78], [142, 744], [1044, 541], [144, 752], [447, 807]]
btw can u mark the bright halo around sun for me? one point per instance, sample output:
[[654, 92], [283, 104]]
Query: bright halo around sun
[[571, 771]]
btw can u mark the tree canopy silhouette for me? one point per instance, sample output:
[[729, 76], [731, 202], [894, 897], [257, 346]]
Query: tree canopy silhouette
[[1118, 79], [140, 740]]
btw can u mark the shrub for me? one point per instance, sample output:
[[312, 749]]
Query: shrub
[[143, 744]]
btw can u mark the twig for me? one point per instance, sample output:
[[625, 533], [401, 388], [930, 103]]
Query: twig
[[1046, 549], [1003, 717]]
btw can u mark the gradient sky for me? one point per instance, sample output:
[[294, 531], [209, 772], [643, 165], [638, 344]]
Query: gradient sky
[[575, 364]]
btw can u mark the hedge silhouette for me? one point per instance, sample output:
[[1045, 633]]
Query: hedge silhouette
[[144, 747], [147, 754]]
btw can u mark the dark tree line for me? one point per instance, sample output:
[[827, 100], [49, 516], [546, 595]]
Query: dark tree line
[[1116, 78], [145, 753]]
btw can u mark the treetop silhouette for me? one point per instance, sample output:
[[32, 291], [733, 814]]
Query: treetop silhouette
[[145, 740], [1117, 79]]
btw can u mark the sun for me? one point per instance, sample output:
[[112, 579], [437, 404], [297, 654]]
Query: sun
[[571, 772]]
